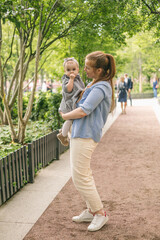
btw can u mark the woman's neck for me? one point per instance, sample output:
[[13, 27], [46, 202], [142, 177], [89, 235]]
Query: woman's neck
[[95, 80]]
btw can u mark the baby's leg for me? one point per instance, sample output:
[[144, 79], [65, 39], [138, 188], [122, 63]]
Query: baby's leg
[[66, 127]]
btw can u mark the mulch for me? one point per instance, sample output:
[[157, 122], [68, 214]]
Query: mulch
[[126, 168]]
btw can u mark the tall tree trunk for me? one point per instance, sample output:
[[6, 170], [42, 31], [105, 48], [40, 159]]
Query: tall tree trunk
[[21, 132], [2, 93], [23, 122], [5, 120], [20, 90], [1, 116], [140, 74]]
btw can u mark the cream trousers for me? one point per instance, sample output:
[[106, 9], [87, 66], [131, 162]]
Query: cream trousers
[[81, 150]]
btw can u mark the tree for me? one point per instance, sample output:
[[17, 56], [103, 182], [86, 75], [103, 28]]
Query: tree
[[141, 56], [106, 28], [36, 26]]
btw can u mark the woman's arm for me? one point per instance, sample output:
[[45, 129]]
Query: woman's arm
[[76, 113], [91, 102]]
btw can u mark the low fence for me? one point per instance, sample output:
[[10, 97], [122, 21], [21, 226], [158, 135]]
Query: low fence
[[21, 166]]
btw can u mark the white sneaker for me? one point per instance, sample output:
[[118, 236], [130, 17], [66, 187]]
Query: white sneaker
[[85, 216], [98, 222]]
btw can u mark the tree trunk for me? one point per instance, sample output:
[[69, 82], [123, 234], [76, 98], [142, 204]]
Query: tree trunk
[[21, 132], [2, 92], [1, 116], [140, 74], [5, 120], [23, 122]]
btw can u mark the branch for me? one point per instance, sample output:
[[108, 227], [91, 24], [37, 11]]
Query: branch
[[15, 93], [1, 114], [61, 35], [20, 92], [28, 83], [152, 11], [11, 49], [53, 8], [51, 23], [30, 103], [16, 71], [47, 57], [32, 33], [39, 68], [2, 93], [1, 72]]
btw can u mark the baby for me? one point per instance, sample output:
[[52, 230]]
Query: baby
[[72, 86]]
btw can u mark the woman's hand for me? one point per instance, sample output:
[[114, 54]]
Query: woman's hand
[[75, 114], [61, 113]]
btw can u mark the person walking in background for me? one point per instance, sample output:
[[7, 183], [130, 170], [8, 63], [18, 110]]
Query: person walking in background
[[44, 86], [129, 84], [72, 86], [155, 86], [93, 107], [122, 94], [129, 89]]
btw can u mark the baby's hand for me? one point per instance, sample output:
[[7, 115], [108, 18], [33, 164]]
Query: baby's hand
[[72, 76]]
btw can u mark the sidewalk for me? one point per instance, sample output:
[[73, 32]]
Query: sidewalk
[[22, 211]]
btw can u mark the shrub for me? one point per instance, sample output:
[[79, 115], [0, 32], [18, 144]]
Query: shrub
[[53, 117], [14, 112], [40, 106]]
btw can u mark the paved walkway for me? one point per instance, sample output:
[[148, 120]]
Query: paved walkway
[[23, 210]]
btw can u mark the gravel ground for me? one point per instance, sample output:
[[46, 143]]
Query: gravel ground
[[126, 167]]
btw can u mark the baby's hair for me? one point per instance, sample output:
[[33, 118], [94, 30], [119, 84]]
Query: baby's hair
[[107, 63], [70, 59]]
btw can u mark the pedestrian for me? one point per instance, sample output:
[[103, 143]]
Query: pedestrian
[[155, 86], [122, 94], [72, 86], [129, 84], [44, 86], [129, 89], [49, 87], [93, 107]]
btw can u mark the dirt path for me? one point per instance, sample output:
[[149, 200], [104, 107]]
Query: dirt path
[[126, 166]]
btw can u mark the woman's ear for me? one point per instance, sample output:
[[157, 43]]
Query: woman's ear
[[99, 71]]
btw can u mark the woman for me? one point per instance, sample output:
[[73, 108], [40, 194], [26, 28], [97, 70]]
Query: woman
[[155, 86], [88, 120], [122, 94]]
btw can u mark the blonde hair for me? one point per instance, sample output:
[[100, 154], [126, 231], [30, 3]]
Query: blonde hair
[[107, 63], [121, 79]]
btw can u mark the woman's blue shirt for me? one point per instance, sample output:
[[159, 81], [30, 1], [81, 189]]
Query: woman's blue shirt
[[95, 102]]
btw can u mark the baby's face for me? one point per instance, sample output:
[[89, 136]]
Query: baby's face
[[71, 68]]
